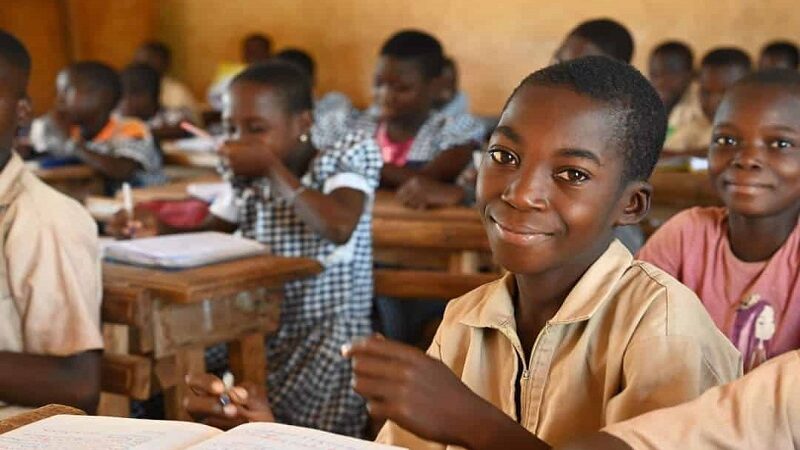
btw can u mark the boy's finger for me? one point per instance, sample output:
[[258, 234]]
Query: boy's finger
[[201, 406], [373, 388], [383, 348], [377, 367], [205, 384]]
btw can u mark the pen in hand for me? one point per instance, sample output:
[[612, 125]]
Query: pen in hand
[[127, 204]]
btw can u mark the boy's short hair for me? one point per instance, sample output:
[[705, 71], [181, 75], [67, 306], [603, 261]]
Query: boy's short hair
[[727, 56], [419, 47], [639, 114], [262, 39], [159, 48], [785, 50], [97, 77], [139, 78], [14, 53], [299, 58], [611, 37], [679, 50], [289, 81], [787, 78]]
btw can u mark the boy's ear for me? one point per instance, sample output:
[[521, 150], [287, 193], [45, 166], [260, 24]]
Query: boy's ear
[[303, 122], [24, 111], [635, 203]]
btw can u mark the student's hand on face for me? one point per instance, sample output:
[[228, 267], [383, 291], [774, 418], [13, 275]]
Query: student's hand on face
[[419, 393], [249, 157], [144, 223], [248, 402], [420, 192]]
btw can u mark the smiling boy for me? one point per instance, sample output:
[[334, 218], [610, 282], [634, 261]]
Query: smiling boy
[[578, 335]]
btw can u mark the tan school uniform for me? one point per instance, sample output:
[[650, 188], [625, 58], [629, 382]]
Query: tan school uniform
[[758, 412], [688, 128], [628, 339], [50, 288]]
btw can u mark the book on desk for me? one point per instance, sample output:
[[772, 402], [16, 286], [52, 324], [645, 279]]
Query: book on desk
[[101, 433]]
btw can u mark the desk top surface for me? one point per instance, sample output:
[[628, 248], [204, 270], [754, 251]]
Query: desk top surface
[[387, 207], [197, 284]]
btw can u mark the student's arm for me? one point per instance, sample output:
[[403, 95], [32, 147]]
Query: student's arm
[[145, 223], [445, 167], [333, 215], [38, 380]]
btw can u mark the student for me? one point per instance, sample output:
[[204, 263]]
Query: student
[[719, 70], [141, 87], [120, 148], [50, 132], [598, 37], [671, 71], [779, 55], [256, 48], [422, 149], [332, 103], [174, 95], [50, 341], [743, 260], [451, 100], [578, 335], [300, 201]]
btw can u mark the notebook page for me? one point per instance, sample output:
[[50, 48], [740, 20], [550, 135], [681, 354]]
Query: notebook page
[[256, 436], [105, 433]]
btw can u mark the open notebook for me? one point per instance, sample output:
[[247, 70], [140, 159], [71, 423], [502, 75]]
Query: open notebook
[[116, 433], [181, 251]]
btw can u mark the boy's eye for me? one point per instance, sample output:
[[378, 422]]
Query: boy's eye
[[573, 176], [503, 157], [725, 140], [781, 143]]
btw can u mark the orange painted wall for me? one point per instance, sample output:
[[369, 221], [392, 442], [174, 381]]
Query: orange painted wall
[[495, 42]]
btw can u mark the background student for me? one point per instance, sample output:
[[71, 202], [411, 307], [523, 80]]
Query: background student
[[779, 55], [597, 37], [173, 94], [50, 341], [743, 259]]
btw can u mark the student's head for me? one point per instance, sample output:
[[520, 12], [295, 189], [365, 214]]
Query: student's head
[[270, 102], [408, 75], [568, 162], [754, 159], [449, 82], [299, 58], [597, 37], [256, 48], [141, 90], [779, 55], [719, 70], [671, 70], [92, 91], [15, 67], [155, 54]]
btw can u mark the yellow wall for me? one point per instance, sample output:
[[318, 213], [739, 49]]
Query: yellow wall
[[494, 42]]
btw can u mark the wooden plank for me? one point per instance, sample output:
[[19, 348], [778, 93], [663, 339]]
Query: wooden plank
[[418, 284], [247, 358], [72, 172], [213, 321], [126, 305], [14, 422], [425, 234], [387, 207], [216, 280], [683, 189], [126, 375], [187, 360], [115, 342]]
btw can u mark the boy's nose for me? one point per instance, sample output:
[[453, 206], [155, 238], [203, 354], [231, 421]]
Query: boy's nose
[[529, 191], [748, 157]]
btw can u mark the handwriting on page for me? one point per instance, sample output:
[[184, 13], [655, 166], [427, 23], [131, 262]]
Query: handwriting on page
[[62, 439], [285, 437]]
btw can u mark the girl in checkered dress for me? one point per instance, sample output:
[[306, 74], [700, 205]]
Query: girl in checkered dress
[[300, 202]]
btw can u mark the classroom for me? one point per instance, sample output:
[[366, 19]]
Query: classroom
[[356, 224]]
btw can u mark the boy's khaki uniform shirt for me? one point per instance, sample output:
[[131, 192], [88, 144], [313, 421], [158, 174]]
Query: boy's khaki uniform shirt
[[757, 412], [628, 339], [50, 288]]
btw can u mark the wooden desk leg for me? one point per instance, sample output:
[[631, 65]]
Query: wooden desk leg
[[187, 360], [116, 341], [247, 358], [464, 262]]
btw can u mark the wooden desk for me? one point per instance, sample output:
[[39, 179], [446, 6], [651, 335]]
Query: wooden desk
[[176, 156], [78, 181], [159, 323], [26, 418], [400, 233], [683, 189]]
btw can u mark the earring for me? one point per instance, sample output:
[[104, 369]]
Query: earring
[[303, 138]]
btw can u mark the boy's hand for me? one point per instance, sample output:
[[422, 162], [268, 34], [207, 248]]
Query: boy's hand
[[144, 223], [420, 192], [248, 402], [249, 157], [417, 392]]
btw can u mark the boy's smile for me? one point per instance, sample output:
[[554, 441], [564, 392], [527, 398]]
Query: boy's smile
[[550, 186], [755, 158]]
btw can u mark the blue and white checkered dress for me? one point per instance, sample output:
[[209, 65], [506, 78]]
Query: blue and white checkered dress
[[308, 380]]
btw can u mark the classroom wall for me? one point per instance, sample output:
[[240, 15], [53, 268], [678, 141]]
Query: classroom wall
[[495, 42]]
